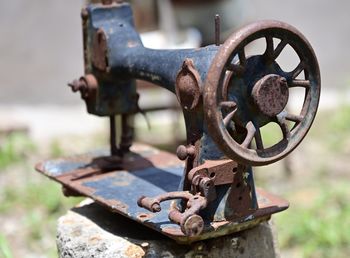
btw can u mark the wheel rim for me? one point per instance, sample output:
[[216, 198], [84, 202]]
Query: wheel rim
[[231, 62]]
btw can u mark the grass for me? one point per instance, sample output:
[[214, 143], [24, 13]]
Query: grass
[[14, 148], [28, 200], [318, 221], [5, 251], [319, 228], [333, 127], [38, 206], [42, 194]]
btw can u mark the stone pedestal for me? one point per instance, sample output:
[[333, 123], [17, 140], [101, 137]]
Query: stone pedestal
[[92, 231]]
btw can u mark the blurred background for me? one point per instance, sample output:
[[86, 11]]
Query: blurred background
[[41, 50]]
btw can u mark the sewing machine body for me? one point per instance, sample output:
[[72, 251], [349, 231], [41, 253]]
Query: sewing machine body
[[225, 97]]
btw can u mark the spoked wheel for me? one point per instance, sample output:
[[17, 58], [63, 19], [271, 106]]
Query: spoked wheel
[[244, 93]]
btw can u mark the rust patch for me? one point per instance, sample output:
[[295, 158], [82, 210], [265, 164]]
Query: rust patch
[[143, 216], [271, 94], [188, 85], [220, 171], [240, 199], [100, 51]]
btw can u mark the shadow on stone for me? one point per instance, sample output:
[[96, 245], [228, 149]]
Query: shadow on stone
[[117, 224]]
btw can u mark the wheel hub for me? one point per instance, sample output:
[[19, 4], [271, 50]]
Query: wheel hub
[[270, 94]]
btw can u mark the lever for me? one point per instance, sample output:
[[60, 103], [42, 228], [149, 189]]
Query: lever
[[190, 222]]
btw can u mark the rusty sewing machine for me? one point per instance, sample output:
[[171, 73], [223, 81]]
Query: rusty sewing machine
[[226, 97]]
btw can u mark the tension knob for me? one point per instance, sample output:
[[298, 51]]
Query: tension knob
[[183, 152]]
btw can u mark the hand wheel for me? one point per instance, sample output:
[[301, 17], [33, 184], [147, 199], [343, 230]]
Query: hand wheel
[[244, 93]]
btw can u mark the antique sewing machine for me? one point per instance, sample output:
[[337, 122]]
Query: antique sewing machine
[[207, 189]]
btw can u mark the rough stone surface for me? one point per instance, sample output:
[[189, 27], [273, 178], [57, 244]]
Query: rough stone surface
[[91, 231]]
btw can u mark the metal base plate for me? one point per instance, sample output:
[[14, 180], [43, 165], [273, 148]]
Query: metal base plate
[[145, 171]]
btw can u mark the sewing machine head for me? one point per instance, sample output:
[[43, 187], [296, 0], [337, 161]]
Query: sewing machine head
[[226, 97]]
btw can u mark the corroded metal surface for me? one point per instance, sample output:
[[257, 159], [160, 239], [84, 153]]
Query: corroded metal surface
[[232, 79], [226, 97], [190, 222], [188, 85], [271, 94], [220, 171], [118, 189]]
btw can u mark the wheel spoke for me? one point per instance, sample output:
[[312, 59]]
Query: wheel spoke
[[229, 117], [294, 118], [300, 83], [250, 134], [228, 104], [236, 69], [279, 48], [269, 47], [294, 74], [242, 57], [284, 127], [258, 139]]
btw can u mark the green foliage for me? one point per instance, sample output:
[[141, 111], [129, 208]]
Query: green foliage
[[322, 228], [5, 250], [44, 195], [33, 221], [41, 203], [333, 127], [340, 120], [14, 148], [271, 134], [56, 149]]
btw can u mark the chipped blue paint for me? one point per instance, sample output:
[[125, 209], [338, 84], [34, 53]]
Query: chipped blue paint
[[59, 167], [127, 187]]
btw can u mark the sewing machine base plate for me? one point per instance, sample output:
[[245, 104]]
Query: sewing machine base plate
[[144, 171]]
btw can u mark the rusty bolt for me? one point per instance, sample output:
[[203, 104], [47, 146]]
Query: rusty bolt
[[87, 85], [77, 85], [196, 180], [193, 226], [183, 152]]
